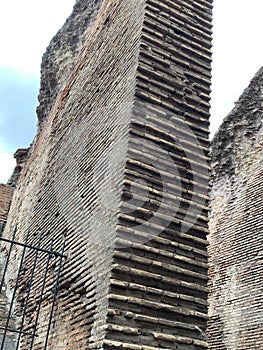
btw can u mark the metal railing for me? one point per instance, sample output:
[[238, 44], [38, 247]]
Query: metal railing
[[30, 257]]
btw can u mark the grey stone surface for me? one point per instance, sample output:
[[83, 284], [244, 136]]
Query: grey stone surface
[[61, 55], [236, 225]]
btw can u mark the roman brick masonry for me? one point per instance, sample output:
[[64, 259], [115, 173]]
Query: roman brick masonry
[[119, 171], [6, 194], [236, 225]]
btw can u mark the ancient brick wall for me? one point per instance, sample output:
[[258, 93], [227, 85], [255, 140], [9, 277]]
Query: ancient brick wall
[[120, 168], [6, 194], [236, 264]]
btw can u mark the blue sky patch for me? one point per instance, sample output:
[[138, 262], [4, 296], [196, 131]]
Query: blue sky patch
[[18, 101]]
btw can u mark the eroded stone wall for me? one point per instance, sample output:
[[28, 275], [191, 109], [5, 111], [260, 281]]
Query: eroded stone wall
[[62, 53], [120, 168], [236, 240], [21, 156]]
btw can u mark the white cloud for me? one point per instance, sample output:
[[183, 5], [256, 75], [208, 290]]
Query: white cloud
[[237, 52], [26, 28], [7, 165]]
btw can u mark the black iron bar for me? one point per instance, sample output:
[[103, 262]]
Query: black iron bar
[[14, 292], [28, 292], [2, 227], [31, 247], [15, 330], [7, 260], [54, 294], [51, 253], [41, 294]]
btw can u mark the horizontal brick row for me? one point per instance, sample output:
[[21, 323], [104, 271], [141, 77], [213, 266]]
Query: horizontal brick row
[[120, 168], [235, 251]]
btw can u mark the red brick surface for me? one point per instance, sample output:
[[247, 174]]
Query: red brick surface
[[120, 166], [6, 194]]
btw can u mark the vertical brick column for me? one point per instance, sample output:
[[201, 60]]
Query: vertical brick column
[[121, 167]]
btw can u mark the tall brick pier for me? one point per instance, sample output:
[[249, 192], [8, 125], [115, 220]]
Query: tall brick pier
[[119, 169]]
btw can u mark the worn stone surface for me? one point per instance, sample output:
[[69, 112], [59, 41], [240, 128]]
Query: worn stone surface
[[62, 52], [236, 240], [21, 156], [120, 167]]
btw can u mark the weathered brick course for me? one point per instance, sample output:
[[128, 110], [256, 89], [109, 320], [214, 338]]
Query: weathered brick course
[[6, 194], [120, 167], [235, 251]]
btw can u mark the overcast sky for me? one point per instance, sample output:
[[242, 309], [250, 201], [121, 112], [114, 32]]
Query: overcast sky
[[27, 26]]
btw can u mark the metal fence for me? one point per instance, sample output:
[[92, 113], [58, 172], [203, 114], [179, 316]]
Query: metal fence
[[19, 320]]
